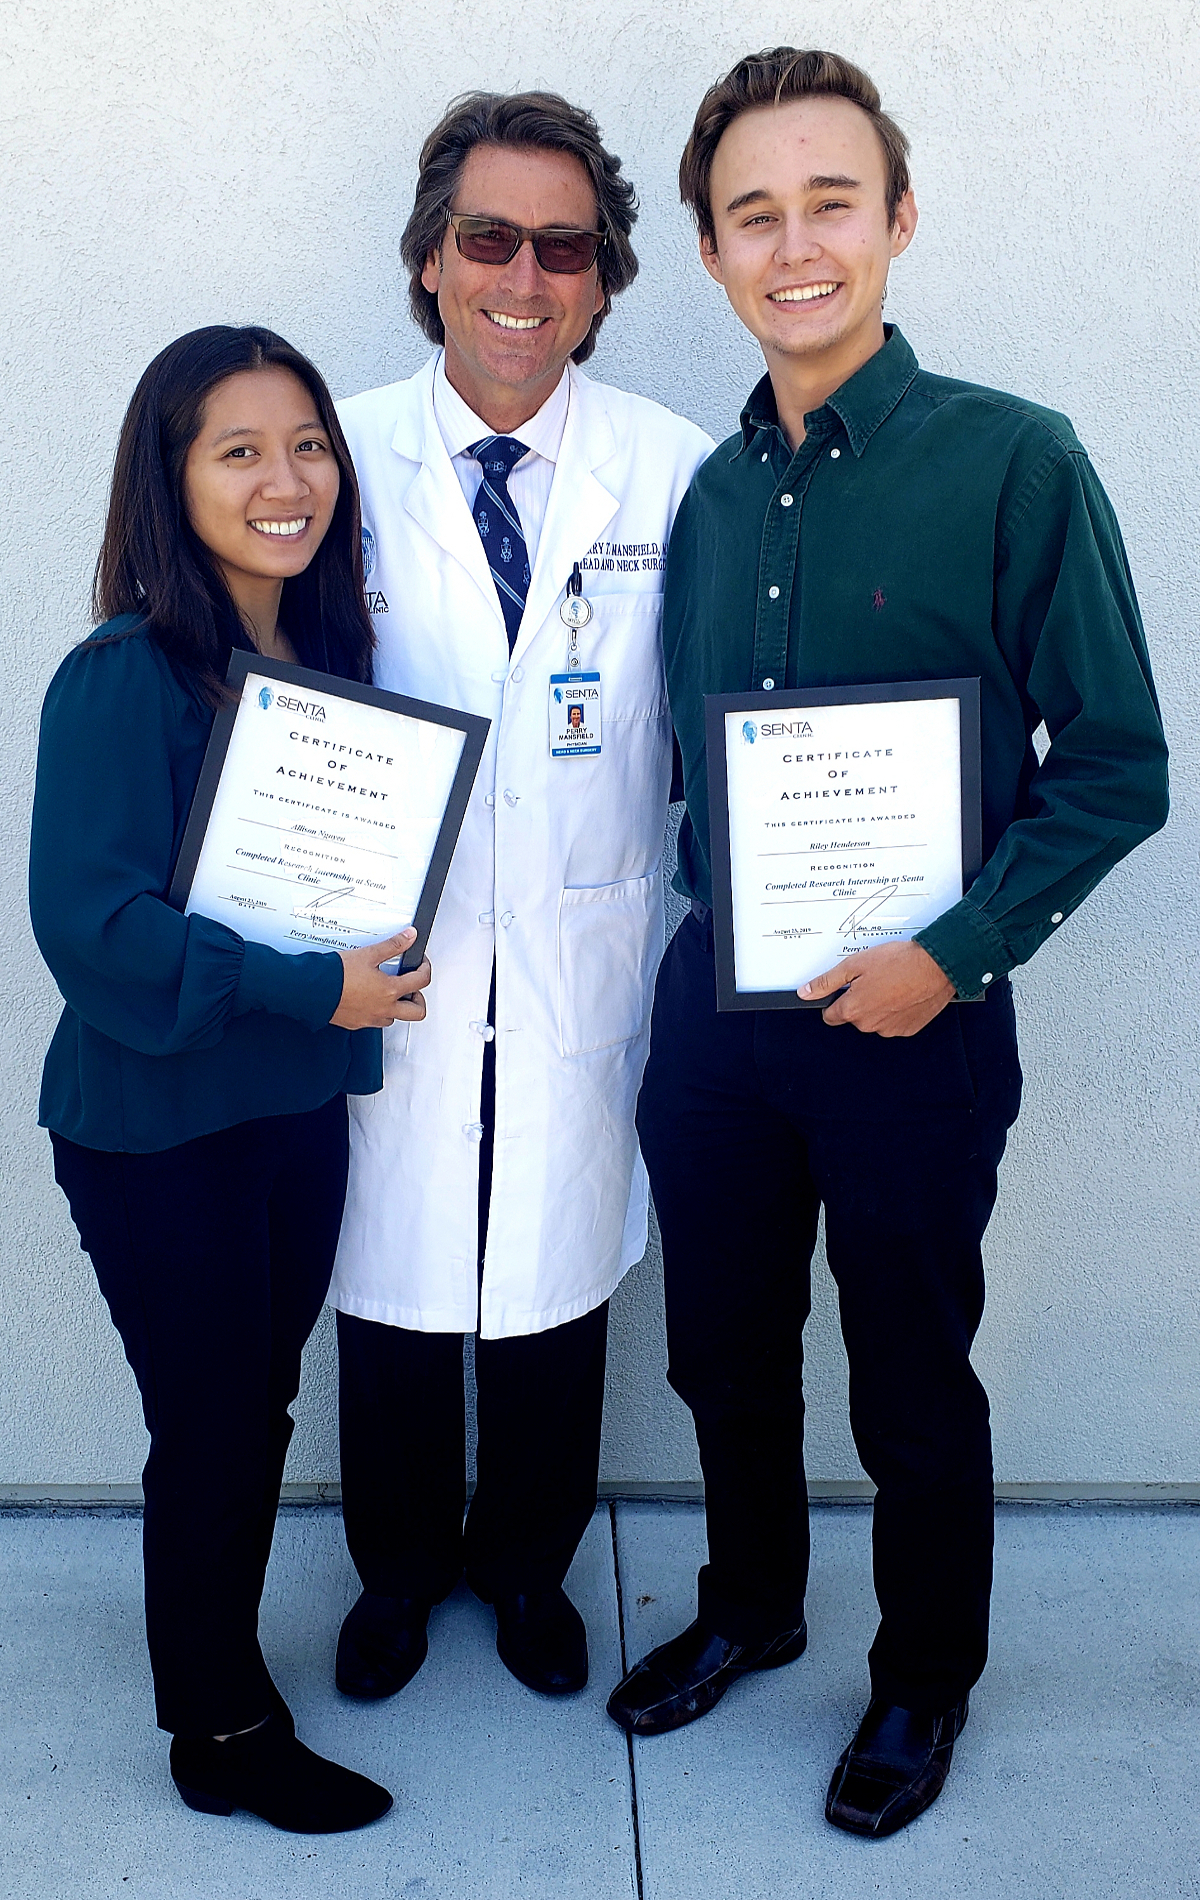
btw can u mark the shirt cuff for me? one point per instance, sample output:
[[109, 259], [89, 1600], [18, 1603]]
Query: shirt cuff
[[967, 948], [307, 986]]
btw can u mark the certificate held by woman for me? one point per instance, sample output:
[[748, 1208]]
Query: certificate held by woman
[[327, 810]]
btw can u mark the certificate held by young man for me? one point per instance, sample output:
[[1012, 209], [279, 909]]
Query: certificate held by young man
[[327, 812], [841, 817]]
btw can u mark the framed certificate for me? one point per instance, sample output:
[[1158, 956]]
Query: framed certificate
[[326, 812], [841, 817]]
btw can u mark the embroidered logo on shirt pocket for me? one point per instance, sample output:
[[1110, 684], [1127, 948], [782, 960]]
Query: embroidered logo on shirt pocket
[[610, 939]]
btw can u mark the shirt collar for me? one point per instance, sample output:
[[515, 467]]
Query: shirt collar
[[861, 404], [460, 426]]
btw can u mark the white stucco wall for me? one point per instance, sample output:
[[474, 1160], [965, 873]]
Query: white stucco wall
[[178, 162]]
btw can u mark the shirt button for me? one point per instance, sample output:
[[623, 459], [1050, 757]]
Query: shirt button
[[768, 686], [1057, 917], [833, 454], [785, 501], [487, 916], [518, 674], [772, 593], [473, 1131], [499, 678], [489, 798], [506, 918], [764, 458], [988, 977]]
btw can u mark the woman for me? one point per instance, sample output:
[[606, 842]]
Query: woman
[[195, 1087]]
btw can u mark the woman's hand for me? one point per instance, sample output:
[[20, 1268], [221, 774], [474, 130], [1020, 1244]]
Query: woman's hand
[[373, 1000]]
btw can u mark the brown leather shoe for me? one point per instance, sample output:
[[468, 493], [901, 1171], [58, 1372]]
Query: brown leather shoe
[[894, 1769], [682, 1680]]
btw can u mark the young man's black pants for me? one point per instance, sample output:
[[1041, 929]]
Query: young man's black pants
[[215, 1258], [750, 1124]]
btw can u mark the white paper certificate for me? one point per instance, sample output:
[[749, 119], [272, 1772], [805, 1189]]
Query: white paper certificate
[[327, 812], [845, 828]]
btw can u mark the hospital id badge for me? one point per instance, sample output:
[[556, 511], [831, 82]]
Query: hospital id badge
[[574, 715]]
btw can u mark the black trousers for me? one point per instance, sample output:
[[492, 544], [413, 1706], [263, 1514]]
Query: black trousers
[[540, 1398], [750, 1124], [215, 1258]]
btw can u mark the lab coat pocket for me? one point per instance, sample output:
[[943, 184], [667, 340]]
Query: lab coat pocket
[[609, 945]]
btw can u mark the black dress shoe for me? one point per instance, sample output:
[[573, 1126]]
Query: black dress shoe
[[381, 1646], [893, 1769], [541, 1640], [269, 1773], [685, 1678]]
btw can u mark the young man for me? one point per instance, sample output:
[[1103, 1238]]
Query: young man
[[516, 517], [869, 522]]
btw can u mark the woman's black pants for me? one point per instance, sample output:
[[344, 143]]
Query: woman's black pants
[[215, 1258], [751, 1123]]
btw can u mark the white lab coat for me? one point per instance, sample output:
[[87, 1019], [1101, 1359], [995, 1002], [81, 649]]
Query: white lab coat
[[557, 874]]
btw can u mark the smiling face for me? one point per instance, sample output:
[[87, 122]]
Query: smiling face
[[803, 238], [510, 328], [260, 482]]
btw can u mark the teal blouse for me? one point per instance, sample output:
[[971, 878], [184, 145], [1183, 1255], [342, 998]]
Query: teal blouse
[[174, 1026]]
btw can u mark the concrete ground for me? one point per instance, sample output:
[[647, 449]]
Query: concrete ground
[[1078, 1773]]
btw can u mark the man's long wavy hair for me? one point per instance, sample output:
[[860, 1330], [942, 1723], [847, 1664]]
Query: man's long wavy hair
[[526, 121], [153, 564]]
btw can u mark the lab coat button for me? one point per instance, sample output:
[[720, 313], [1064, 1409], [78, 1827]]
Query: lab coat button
[[506, 918], [512, 798], [487, 916], [499, 678], [473, 1131], [489, 799], [518, 675], [485, 1030]]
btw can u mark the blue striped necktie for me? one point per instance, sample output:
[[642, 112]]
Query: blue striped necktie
[[500, 528]]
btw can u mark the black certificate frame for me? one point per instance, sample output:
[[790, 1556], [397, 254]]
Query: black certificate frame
[[717, 706], [473, 726]]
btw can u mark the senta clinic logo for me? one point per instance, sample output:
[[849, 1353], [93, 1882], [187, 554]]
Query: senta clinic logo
[[265, 698], [368, 553], [749, 732]]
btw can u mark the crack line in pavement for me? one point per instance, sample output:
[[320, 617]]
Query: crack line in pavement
[[633, 1798]]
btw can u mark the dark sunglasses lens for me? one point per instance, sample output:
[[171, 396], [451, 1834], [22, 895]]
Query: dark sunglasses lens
[[567, 252], [486, 243]]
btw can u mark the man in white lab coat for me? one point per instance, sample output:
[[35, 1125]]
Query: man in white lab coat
[[516, 517]]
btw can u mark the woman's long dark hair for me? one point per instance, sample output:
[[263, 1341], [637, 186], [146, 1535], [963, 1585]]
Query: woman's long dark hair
[[152, 562]]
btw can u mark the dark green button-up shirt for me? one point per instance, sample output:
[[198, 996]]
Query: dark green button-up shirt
[[931, 529]]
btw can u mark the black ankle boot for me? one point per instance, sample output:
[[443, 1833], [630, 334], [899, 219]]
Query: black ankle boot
[[269, 1773]]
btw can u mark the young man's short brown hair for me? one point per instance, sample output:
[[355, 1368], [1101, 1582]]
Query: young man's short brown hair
[[769, 79], [529, 121]]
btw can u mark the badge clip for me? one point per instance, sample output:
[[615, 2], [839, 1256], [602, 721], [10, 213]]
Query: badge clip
[[575, 611]]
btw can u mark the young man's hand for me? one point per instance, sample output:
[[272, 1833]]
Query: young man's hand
[[894, 990]]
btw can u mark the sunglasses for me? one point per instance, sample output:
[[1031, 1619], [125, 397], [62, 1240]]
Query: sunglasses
[[492, 241]]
